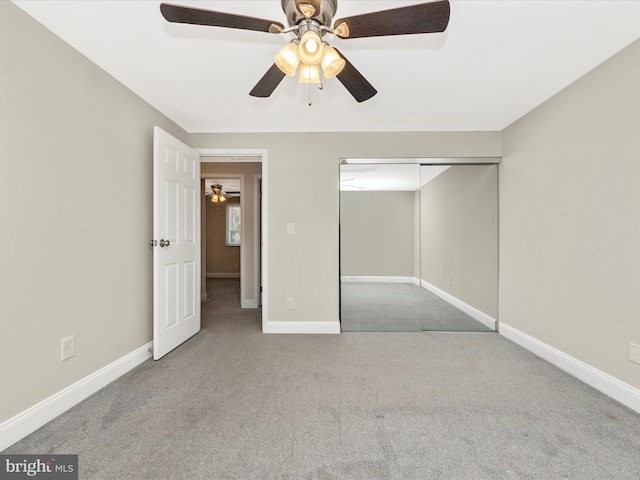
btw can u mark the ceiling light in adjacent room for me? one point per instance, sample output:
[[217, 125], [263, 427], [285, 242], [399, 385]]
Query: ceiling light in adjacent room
[[217, 196]]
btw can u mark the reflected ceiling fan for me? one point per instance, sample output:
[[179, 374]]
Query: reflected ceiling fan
[[309, 21]]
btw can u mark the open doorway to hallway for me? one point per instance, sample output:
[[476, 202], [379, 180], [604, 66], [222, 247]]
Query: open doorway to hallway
[[231, 246]]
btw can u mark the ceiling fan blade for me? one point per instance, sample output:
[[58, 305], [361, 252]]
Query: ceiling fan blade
[[268, 83], [198, 16], [421, 18], [354, 82], [311, 6]]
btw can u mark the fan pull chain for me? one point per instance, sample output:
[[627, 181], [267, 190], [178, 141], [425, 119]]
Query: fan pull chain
[[320, 87]]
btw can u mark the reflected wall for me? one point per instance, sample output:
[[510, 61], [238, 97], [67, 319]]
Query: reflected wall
[[459, 247]]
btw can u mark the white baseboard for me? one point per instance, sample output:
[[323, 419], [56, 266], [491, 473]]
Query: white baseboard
[[487, 320], [223, 275], [377, 279], [611, 386], [301, 327], [28, 421]]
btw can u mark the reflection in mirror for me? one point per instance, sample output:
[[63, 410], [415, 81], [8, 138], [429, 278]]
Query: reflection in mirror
[[418, 247], [378, 247], [459, 247]]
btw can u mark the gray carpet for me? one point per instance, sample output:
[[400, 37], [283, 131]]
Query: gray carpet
[[400, 307], [232, 403]]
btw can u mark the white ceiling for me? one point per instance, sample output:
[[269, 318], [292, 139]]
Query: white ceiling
[[496, 61]]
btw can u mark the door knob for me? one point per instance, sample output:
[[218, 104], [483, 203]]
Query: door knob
[[164, 243]]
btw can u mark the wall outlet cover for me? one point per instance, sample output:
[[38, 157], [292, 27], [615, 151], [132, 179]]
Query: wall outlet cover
[[68, 347]]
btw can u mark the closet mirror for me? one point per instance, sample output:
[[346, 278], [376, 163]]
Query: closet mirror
[[378, 247], [459, 247], [418, 246]]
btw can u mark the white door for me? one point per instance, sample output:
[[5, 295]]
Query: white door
[[176, 239]]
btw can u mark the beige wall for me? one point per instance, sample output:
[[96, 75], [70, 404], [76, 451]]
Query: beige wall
[[377, 233], [302, 187], [569, 210], [459, 234], [76, 199], [221, 260]]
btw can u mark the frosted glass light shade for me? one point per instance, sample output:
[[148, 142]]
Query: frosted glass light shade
[[332, 63], [310, 49], [309, 73], [287, 60]]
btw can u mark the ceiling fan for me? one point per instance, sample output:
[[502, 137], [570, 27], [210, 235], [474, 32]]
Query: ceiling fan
[[216, 195], [309, 21]]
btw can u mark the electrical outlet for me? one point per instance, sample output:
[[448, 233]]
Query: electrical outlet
[[68, 347], [291, 229], [634, 353], [289, 303]]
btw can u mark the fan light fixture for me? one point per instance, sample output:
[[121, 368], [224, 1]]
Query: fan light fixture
[[309, 73], [309, 52], [310, 49], [332, 63], [287, 60], [217, 197]]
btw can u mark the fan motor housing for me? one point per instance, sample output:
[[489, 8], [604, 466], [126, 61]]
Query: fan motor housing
[[327, 11]]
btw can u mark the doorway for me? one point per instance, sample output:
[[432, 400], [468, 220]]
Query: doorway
[[237, 256]]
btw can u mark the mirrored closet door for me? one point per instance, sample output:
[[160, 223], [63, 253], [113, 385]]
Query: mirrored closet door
[[459, 247], [418, 247], [378, 247]]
